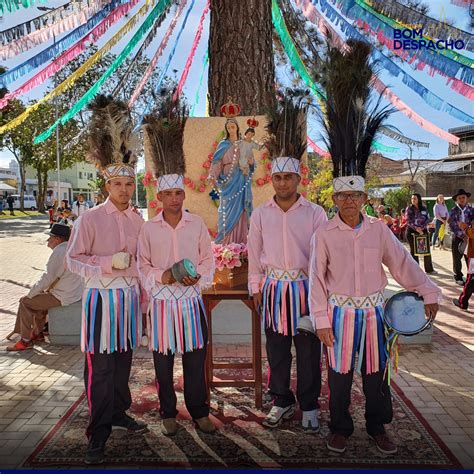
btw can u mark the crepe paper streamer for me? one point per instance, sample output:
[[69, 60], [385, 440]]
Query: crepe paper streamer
[[71, 53], [429, 97], [316, 148], [189, 61], [314, 16], [69, 82], [59, 23], [165, 69], [13, 5], [42, 21], [156, 56], [149, 38], [360, 10], [205, 60], [300, 68], [61, 45], [89, 95], [401, 138], [397, 11], [290, 50], [457, 85]]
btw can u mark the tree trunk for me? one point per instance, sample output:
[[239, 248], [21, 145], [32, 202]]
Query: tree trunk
[[42, 185], [241, 55], [22, 170]]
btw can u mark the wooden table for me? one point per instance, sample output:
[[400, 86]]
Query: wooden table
[[212, 297]]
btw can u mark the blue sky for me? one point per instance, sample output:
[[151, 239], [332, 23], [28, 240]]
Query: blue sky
[[437, 84]]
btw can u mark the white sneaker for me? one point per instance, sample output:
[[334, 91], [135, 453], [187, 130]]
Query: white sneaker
[[277, 415], [310, 421]]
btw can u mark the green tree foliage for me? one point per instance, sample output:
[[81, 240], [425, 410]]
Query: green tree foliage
[[398, 199]]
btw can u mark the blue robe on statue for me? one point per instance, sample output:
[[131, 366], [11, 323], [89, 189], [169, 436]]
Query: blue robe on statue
[[235, 191]]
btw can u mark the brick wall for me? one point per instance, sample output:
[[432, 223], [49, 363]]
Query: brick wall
[[446, 183]]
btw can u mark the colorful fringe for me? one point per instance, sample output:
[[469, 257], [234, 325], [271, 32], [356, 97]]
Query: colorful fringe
[[355, 331], [174, 325], [276, 296], [121, 327]]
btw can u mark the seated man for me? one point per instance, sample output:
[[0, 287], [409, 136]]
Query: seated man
[[57, 287]]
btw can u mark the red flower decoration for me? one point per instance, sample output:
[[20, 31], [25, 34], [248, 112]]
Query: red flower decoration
[[268, 178], [202, 188], [191, 185], [305, 181], [147, 177], [187, 180], [268, 166], [304, 169], [260, 182], [206, 165], [304, 194], [203, 177], [209, 157], [153, 204]]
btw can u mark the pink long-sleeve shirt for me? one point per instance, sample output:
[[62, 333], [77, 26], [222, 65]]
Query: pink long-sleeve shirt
[[100, 233], [160, 247], [349, 262], [281, 240]]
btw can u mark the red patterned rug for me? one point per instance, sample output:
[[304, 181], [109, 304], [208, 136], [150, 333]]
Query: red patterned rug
[[241, 441]]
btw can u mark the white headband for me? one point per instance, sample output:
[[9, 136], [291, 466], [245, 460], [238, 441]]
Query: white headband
[[286, 164], [349, 183], [170, 181], [118, 171]]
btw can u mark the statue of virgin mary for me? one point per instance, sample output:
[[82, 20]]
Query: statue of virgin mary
[[233, 180]]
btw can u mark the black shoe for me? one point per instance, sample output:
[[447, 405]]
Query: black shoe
[[457, 304], [129, 424], [95, 452]]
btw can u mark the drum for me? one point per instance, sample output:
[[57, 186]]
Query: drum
[[305, 326], [182, 269], [404, 314]]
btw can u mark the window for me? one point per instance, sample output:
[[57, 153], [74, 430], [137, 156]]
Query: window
[[80, 174]]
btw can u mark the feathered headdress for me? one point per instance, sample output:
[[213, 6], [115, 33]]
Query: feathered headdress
[[112, 144], [286, 130], [349, 122], [164, 137]]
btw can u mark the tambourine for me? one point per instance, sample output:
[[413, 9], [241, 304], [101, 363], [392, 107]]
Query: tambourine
[[183, 268], [404, 314]]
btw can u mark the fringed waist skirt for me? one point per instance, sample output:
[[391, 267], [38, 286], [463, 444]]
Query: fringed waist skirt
[[174, 319], [357, 324], [284, 300], [120, 325]]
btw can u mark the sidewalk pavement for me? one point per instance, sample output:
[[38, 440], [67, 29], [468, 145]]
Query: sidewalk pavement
[[38, 386]]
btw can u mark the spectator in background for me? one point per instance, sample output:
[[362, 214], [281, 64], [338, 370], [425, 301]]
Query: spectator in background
[[463, 301], [99, 199], [80, 206], [10, 202], [403, 224], [441, 214], [368, 208], [1, 206], [461, 212], [56, 287], [417, 222]]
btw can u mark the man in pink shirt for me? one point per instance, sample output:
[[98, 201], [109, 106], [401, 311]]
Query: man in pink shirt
[[347, 281], [102, 249], [176, 321], [279, 249]]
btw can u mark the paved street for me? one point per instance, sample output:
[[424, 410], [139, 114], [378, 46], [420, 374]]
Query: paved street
[[37, 386]]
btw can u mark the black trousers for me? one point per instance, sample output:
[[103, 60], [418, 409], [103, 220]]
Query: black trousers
[[467, 291], [428, 264], [106, 379], [308, 367], [195, 389], [378, 402], [457, 258]]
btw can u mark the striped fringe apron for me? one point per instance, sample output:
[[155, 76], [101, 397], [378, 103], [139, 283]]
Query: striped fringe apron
[[121, 327], [279, 288], [174, 319], [357, 324]]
